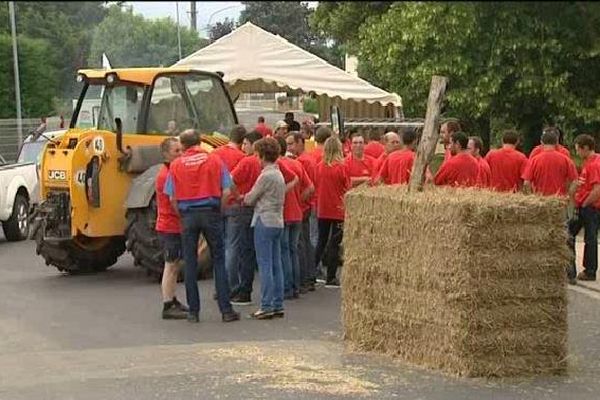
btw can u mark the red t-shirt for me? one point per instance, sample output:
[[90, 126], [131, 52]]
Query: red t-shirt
[[246, 173], [397, 167], [359, 168], [549, 173], [197, 175], [539, 148], [264, 130], [374, 149], [484, 177], [230, 155], [590, 174], [166, 219], [507, 166], [317, 155], [461, 170], [292, 206], [332, 183], [310, 166]]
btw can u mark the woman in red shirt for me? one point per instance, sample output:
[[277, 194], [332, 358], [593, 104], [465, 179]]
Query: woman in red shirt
[[332, 183]]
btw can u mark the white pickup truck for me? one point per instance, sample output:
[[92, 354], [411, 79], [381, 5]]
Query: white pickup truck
[[19, 187]]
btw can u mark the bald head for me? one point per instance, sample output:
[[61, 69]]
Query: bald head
[[391, 141], [189, 138]]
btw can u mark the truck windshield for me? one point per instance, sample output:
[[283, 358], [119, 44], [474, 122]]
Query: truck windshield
[[180, 102]]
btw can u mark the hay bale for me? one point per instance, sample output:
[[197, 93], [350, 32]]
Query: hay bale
[[469, 282]]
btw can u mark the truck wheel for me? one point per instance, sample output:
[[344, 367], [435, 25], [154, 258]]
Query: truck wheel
[[143, 243], [17, 226], [80, 255]]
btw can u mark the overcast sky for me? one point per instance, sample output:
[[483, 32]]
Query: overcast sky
[[214, 11], [219, 10]]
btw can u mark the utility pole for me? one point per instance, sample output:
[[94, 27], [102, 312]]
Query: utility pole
[[13, 27], [178, 30], [193, 16]]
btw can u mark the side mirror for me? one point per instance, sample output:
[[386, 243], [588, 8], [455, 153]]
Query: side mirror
[[337, 121]]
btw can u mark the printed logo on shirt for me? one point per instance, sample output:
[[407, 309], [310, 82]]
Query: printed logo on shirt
[[196, 159]]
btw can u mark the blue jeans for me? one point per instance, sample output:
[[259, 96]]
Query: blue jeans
[[314, 228], [208, 222], [306, 253], [268, 255], [588, 219], [240, 255], [289, 257]]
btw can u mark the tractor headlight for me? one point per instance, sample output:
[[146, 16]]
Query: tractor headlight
[[80, 78], [111, 78]]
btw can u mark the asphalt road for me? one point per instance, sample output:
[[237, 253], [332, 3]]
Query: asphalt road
[[100, 337]]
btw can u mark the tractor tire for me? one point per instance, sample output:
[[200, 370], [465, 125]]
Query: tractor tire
[[75, 258], [17, 226], [144, 246]]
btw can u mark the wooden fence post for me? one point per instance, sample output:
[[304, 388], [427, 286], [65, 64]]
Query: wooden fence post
[[431, 134]]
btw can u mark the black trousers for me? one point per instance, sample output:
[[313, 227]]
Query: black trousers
[[328, 252]]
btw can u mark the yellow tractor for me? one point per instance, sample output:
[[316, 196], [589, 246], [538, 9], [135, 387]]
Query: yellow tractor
[[97, 180]]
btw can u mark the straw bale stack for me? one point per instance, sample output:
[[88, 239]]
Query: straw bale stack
[[469, 282]]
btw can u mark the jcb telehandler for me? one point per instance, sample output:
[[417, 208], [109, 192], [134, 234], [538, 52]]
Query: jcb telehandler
[[97, 183]]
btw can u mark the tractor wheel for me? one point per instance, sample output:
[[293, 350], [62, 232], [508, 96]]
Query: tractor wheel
[[81, 255], [143, 243], [17, 226]]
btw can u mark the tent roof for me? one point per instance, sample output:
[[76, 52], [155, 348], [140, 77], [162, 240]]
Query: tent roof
[[250, 53]]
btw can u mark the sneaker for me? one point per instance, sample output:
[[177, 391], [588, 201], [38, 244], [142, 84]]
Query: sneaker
[[333, 283], [241, 299], [583, 276], [260, 314], [172, 311], [177, 304], [193, 317], [278, 313], [230, 316], [303, 289]]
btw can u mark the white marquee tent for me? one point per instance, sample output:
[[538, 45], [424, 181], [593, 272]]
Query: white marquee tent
[[256, 61]]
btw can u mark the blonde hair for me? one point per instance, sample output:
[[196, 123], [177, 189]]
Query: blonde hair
[[332, 151]]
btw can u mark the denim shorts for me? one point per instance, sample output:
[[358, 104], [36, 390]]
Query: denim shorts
[[171, 245]]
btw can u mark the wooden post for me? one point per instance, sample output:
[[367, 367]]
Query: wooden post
[[431, 133]]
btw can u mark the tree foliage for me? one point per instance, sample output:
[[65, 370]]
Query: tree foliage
[[38, 85], [526, 63], [221, 29], [290, 20], [130, 40]]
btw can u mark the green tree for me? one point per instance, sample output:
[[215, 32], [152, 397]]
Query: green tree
[[141, 42], [221, 29], [525, 64], [39, 81], [290, 20]]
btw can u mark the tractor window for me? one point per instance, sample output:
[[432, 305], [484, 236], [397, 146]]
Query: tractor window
[[121, 101], [180, 102], [90, 108]]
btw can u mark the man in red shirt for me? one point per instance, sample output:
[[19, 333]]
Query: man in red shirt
[[398, 165], [447, 129], [475, 147], [231, 153], [462, 169], [323, 133], [561, 149], [374, 148], [587, 203], [263, 128], [196, 183], [507, 164], [292, 217], [550, 173], [169, 234], [359, 165], [295, 146], [391, 141]]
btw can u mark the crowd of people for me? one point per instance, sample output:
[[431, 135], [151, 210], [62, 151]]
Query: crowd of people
[[263, 203]]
